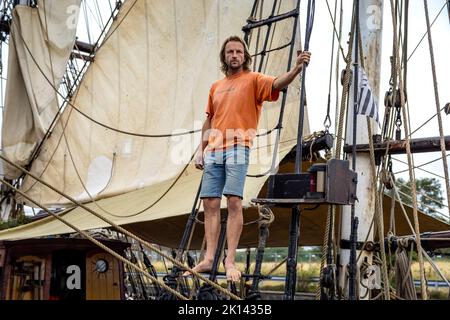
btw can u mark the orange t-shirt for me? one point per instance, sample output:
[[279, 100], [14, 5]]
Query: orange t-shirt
[[234, 106]]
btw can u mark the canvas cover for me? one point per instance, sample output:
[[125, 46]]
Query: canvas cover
[[41, 41], [152, 77]]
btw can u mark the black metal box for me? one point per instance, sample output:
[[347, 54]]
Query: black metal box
[[341, 182], [288, 186]]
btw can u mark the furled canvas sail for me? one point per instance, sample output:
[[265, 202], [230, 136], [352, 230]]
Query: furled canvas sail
[[40, 44], [152, 76]]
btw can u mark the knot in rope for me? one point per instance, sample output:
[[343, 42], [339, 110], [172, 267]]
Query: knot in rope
[[403, 243], [266, 216], [312, 138], [390, 237]]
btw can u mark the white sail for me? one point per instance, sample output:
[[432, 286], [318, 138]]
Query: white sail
[[152, 76], [40, 44]]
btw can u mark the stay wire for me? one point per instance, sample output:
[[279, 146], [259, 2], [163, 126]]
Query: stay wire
[[308, 32], [427, 171], [327, 121], [336, 33], [426, 32], [437, 102], [422, 165]]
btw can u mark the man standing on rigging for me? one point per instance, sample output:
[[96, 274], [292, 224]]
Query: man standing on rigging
[[233, 110]]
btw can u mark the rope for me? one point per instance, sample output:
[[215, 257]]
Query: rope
[[436, 96], [404, 281], [438, 202], [333, 21], [424, 35], [404, 241], [378, 207], [345, 92], [327, 121], [392, 228], [308, 31], [325, 247], [440, 216], [422, 165], [277, 266], [338, 145], [378, 215], [266, 216], [328, 225], [120, 229], [337, 233], [435, 267], [309, 22], [96, 242], [337, 70], [409, 157], [272, 50], [421, 169], [422, 125], [405, 53], [397, 195]]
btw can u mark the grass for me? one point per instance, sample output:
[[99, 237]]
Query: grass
[[441, 293], [430, 274], [438, 294]]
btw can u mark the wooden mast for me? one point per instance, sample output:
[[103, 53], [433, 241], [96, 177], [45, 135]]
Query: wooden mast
[[371, 20]]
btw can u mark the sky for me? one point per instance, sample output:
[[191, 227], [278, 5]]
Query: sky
[[420, 85]]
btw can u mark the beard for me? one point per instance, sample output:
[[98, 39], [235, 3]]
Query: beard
[[234, 65]]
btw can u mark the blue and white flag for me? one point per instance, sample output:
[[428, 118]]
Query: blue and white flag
[[366, 100]]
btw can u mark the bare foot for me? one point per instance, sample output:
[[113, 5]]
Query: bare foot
[[233, 274], [203, 266]]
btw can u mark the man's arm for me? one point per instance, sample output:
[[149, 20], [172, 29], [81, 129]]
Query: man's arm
[[203, 143], [285, 79], [205, 133]]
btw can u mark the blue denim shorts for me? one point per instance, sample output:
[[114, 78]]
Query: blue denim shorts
[[224, 172]]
